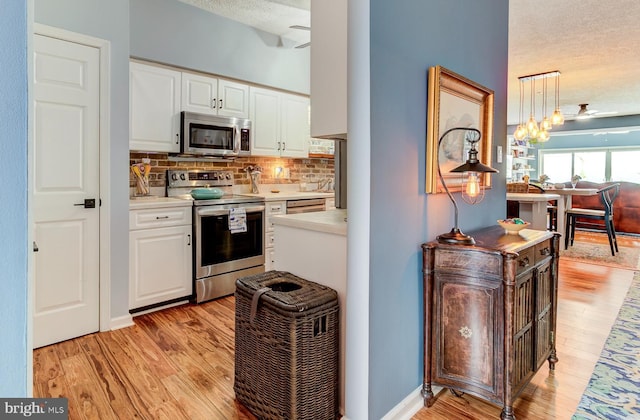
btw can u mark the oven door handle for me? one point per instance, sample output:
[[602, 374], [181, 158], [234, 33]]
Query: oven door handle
[[224, 212]]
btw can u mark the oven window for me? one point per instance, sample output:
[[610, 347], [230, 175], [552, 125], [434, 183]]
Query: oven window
[[219, 245], [211, 137]]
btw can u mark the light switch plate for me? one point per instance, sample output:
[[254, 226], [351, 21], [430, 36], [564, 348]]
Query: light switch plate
[[499, 154]]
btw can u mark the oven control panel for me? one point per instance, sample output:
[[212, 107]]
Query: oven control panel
[[199, 178]]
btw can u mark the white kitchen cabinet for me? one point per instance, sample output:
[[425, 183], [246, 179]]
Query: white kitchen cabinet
[[273, 208], [294, 126], [213, 96], [160, 256], [154, 108], [280, 123], [328, 84]]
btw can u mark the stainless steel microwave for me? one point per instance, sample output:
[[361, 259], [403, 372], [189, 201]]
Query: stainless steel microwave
[[214, 135]]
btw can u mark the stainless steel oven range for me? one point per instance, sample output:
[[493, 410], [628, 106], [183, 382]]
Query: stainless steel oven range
[[228, 232]]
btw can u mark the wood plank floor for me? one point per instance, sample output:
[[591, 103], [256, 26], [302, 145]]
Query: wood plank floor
[[178, 363]]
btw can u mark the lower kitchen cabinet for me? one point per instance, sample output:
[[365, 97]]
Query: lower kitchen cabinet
[[160, 256], [490, 314], [273, 208]]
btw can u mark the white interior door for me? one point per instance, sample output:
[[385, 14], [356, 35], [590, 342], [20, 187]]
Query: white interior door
[[65, 169]]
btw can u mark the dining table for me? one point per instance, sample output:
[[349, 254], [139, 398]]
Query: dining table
[[533, 206]]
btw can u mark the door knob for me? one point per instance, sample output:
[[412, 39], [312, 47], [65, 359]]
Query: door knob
[[89, 203]]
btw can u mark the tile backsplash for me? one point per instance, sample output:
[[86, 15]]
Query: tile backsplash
[[300, 169]]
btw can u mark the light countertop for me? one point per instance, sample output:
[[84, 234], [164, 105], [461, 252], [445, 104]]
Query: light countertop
[[152, 202], [526, 197], [266, 194], [330, 221], [291, 195]]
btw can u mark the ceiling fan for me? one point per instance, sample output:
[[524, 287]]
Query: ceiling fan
[[585, 113], [304, 28]]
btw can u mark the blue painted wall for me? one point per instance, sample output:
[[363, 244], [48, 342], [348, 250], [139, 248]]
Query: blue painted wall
[[172, 32], [108, 21], [469, 38], [13, 200]]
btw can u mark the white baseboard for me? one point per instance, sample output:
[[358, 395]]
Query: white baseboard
[[121, 322], [412, 403]]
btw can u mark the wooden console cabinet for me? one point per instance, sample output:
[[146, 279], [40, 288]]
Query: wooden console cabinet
[[490, 313]]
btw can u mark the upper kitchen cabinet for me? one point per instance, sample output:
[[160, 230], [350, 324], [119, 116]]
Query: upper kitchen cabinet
[[329, 69], [213, 96], [154, 108], [280, 123]]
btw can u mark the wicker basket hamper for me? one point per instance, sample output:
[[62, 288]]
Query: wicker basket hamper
[[286, 356], [517, 187]]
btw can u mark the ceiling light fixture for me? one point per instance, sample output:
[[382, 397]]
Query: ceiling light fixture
[[532, 131], [557, 118]]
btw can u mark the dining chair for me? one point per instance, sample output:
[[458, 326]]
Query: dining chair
[[608, 195]]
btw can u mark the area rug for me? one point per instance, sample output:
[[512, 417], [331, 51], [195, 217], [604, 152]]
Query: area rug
[[613, 391], [600, 254]]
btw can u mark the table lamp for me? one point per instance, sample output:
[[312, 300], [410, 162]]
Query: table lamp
[[472, 188]]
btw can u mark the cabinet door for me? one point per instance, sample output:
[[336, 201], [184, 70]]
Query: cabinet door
[[199, 94], [329, 82], [544, 311], [233, 99], [159, 265], [295, 126], [264, 111], [467, 325], [154, 108], [523, 328], [269, 260]]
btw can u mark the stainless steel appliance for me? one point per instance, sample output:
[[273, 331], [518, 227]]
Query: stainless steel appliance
[[228, 232], [214, 135], [306, 205], [341, 174]]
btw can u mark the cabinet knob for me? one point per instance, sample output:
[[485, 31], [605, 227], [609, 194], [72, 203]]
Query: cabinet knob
[[524, 262], [213, 103], [545, 251], [220, 102]]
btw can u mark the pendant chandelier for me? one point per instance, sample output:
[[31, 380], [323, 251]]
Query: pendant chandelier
[[532, 131]]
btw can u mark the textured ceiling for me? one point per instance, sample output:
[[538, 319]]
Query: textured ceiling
[[272, 16], [595, 44]]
